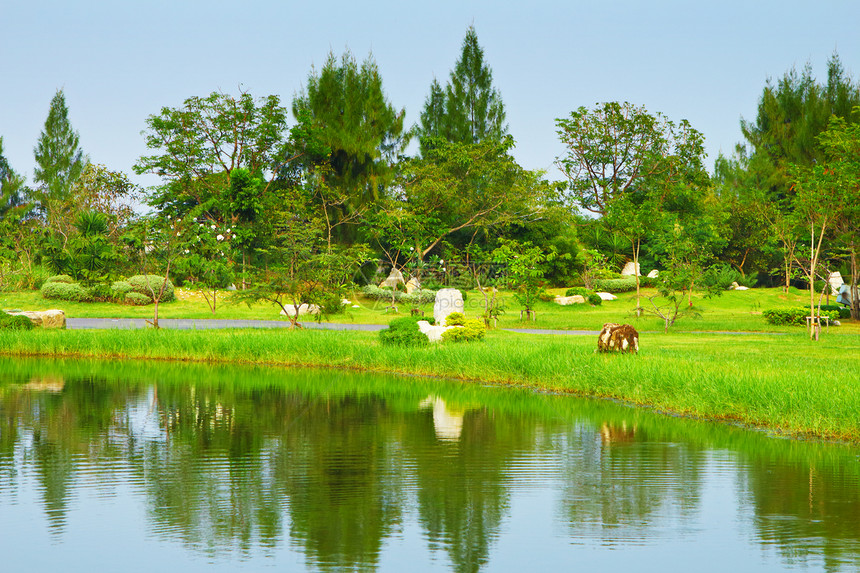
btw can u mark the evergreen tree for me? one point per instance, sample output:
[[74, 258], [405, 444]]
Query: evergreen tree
[[470, 110], [59, 158], [12, 190]]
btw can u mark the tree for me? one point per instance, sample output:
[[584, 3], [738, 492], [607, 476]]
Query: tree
[[19, 233], [470, 110], [361, 131], [525, 269], [612, 148], [59, 163]]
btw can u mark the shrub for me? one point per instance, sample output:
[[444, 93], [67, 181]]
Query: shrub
[[119, 289], [64, 291], [546, 297], [843, 311], [147, 284], [455, 319], [720, 277], [403, 332], [422, 296], [99, 292], [59, 279], [594, 300], [615, 285], [137, 299], [15, 322], [574, 291], [793, 316], [471, 330]]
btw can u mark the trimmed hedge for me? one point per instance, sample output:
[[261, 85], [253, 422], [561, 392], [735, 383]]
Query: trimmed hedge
[[844, 311], [15, 322], [794, 316], [574, 291], [594, 300], [403, 332], [120, 289], [64, 291], [147, 284], [59, 279], [417, 297], [472, 330], [615, 285], [136, 299]]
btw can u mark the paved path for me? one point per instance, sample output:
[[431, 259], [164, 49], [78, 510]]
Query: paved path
[[207, 323]]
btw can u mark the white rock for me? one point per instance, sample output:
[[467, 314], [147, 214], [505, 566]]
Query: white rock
[[629, 270], [742, 288], [567, 300], [606, 296], [52, 318], [412, 285], [303, 309], [448, 300], [835, 281], [433, 332], [654, 274], [395, 277], [345, 302]]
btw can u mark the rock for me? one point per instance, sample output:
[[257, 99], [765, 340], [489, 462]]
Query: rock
[[837, 323], [606, 296], [629, 270], [448, 300], [654, 274], [618, 338], [52, 318], [567, 300], [742, 288], [303, 309], [412, 285], [433, 332], [345, 302], [395, 277], [835, 281]]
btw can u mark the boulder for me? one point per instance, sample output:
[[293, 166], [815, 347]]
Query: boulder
[[567, 300], [395, 277], [433, 332], [606, 296], [630, 269], [303, 309], [448, 300], [736, 286], [52, 318], [618, 338], [654, 274], [412, 285], [835, 281]]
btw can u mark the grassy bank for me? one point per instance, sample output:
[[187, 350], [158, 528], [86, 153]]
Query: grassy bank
[[735, 310], [785, 383]]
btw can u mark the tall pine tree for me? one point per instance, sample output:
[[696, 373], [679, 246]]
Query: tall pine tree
[[470, 109], [59, 159]]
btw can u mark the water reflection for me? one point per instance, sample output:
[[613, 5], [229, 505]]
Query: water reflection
[[338, 469]]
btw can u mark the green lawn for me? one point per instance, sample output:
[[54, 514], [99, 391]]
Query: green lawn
[[734, 311]]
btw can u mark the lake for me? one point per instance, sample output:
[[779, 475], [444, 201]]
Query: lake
[[136, 466]]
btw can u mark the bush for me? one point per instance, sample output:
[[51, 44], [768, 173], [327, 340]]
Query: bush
[[594, 300], [720, 277], [471, 330], [422, 296], [64, 291], [10, 322], [455, 319], [147, 284], [615, 285], [794, 316], [137, 299], [99, 292], [59, 279], [403, 332], [843, 311], [119, 289], [576, 291]]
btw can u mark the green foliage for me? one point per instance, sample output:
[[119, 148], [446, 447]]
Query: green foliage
[[574, 291], [119, 289], [471, 330], [59, 279], [146, 285], [10, 322], [455, 319], [721, 277], [403, 332], [417, 297], [594, 300], [794, 316], [59, 159], [470, 109], [615, 285], [843, 311], [137, 299], [64, 291]]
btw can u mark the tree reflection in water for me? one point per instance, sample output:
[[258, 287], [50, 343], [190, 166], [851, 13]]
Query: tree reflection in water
[[336, 465]]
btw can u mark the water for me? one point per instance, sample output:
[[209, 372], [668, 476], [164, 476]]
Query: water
[[140, 467]]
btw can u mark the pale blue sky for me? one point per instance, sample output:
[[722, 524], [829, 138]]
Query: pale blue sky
[[120, 61]]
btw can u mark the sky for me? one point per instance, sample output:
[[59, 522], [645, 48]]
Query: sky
[[120, 61]]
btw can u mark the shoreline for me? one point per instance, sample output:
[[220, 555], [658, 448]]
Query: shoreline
[[752, 381]]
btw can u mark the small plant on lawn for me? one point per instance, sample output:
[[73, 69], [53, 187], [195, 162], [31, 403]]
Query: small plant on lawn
[[471, 330], [403, 332]]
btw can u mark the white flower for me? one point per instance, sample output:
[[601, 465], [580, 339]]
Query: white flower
[[168, 217], [201, 224], [441, 262], [444, 269], [220, 237], [228, 229], [411, 248], [187, 251], [212, 227]]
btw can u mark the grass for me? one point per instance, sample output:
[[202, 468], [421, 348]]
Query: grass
[[784, 383], [734, 311]]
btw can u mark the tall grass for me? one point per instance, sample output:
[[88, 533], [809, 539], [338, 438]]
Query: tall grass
[[785, 383]]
